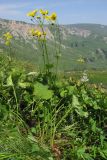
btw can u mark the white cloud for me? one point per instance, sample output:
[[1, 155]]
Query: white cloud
[[7, 7], [12, 10]]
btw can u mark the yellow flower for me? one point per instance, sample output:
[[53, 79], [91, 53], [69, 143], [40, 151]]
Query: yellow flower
[[32, 13], [31, 31], [47, 18], [43, 12], [46, 12], [8, 36], [53, 16], [7, 43], [38, 33]]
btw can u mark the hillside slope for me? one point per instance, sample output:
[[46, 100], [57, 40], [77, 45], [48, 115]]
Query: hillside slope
[[79, 40]]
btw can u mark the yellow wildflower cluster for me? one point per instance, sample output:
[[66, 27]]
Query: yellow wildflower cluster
[[44, 12], [7, 37], [37, 33], [53, 16], [37, 14]]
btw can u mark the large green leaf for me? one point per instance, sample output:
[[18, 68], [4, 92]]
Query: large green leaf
[[9, 81], [42, 91], [78, 108]]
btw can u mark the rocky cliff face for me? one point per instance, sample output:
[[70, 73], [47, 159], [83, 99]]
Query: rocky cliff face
[[22, 29]]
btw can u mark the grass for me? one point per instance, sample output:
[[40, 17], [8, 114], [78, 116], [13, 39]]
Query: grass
[[98, 77], [95, 77]]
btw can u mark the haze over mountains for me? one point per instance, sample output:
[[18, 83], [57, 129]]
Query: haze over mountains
[[88, 41]]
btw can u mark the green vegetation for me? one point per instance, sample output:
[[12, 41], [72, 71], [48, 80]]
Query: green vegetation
[[95, 77], [45, 116], [88, 41], [40, 119]]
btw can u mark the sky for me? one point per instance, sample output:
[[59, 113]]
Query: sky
[[68, 11]]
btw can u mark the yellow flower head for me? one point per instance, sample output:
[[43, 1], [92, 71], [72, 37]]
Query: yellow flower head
[[38, 33], [31, 31], [32, 13], [53, 16], [47, 17], [46, 11], [7, 43], [43, 12], [8, 36]]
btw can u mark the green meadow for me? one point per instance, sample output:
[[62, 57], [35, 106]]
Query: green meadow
[[95, 77]]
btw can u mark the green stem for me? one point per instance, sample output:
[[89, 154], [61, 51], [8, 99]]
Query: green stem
[[15, 99], [61, 120], [43, 54], [45, 47]]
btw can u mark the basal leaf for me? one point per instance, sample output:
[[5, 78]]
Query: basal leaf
[[9, 81], [42, 91]]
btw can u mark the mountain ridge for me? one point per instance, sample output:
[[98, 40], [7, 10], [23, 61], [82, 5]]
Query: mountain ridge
[[86, 23]]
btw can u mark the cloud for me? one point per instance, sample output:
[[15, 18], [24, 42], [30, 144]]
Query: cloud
[[5, 7], [12, 10]]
